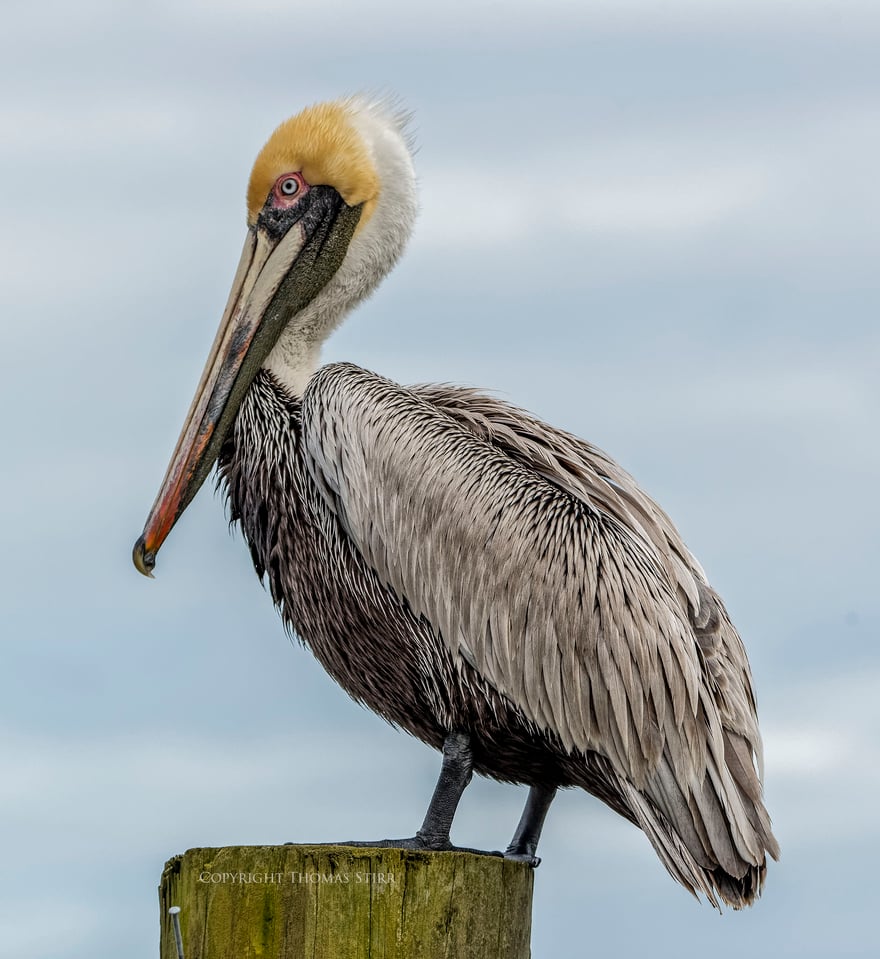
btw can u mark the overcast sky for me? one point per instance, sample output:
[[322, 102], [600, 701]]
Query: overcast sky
[[655, 224]]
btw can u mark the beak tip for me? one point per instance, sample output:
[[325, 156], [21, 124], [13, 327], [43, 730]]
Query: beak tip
[[144, 559]]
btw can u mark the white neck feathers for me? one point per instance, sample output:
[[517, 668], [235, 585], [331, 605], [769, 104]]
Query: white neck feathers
[[374, 249]]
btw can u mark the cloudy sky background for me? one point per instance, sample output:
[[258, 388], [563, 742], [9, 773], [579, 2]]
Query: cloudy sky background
[[654, 224]]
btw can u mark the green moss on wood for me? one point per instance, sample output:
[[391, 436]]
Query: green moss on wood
[[339, 902]]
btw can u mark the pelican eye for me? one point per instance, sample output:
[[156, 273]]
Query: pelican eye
[[290, 186]]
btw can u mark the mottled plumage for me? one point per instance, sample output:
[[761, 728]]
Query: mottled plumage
[[456, 564]]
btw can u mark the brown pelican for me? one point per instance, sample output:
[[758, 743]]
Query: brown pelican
[[499, 588]]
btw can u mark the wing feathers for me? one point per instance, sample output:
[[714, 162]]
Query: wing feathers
[[542, 564]]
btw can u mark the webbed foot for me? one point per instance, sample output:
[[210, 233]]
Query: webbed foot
[[517, 856], [435, 843]]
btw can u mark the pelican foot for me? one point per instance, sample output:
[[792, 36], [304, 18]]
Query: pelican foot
[[418, 842], [527, 858]]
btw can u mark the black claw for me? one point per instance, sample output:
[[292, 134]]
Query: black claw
[[526, 857]]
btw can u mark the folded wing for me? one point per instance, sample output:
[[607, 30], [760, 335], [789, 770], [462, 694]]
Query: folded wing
[[541, 563]]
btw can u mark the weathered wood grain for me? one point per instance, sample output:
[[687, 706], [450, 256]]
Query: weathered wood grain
[[341, 902]]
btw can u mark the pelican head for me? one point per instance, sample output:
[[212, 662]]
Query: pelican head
[[331, 203]]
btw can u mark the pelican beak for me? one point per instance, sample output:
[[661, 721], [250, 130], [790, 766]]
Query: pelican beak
[[285, 263]]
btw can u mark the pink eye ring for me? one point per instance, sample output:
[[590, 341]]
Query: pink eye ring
[[289, 187]]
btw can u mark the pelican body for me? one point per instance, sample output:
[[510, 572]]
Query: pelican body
[[496, 587]]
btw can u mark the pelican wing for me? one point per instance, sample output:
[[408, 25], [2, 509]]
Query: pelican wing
[[542, 564], [592, 477]]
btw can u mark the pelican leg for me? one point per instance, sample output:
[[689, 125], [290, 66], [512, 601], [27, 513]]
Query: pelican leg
[[455, 774], [524, 844]]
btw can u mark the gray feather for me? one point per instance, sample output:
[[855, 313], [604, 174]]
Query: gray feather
[[522, 569]]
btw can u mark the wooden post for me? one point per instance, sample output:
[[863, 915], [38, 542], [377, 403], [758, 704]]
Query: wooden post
[[342, 902]]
